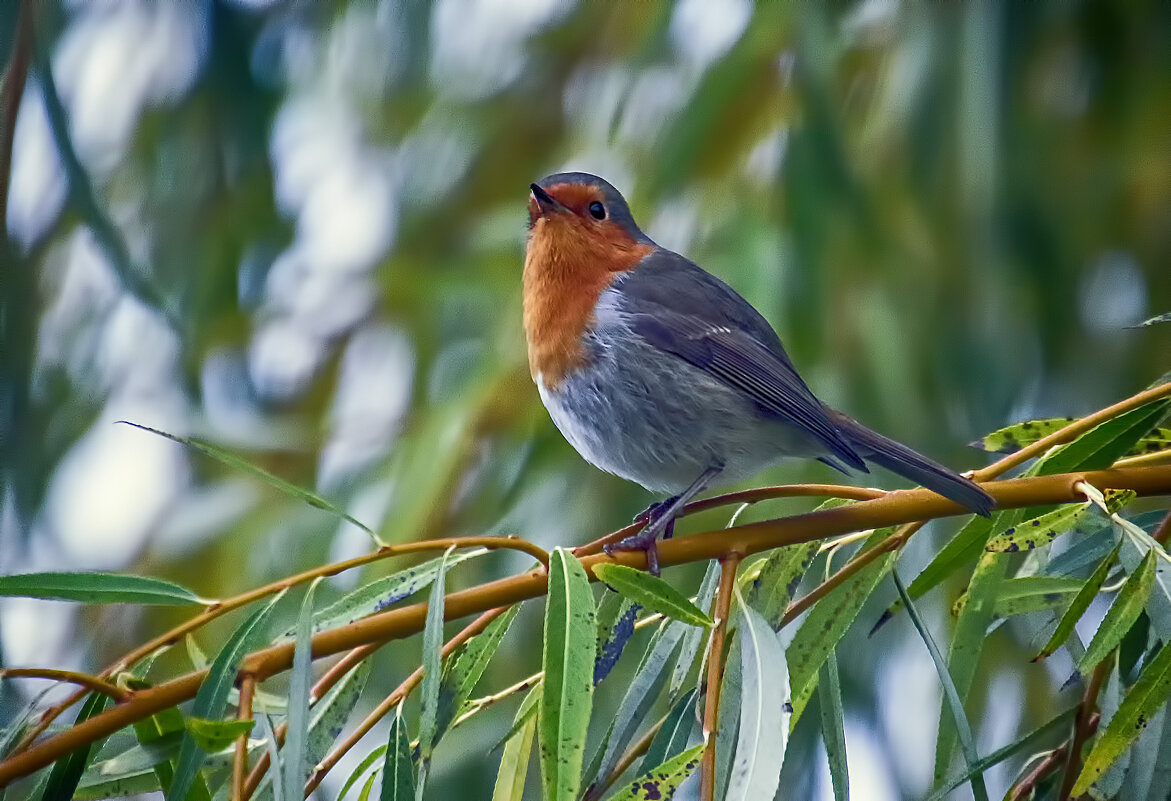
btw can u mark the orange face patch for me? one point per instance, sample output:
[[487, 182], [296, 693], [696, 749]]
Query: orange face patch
[[570, 260]]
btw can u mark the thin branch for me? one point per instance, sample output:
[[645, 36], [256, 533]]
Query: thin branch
[[894, 508], [1081, 726], [397, 697], [240, 764], [15, 78], [721, 610], [1156, 457], [176, 634], [90, 683], [640, 747]]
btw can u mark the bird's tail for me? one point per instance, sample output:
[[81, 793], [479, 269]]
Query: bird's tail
[[898, 458]]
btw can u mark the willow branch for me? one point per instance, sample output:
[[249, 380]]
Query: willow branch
[[90, 683], [240, 763], [892, 509], [1081, 726], [722, 609]]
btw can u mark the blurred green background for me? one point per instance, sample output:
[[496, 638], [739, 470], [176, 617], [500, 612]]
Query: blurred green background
[[296, 229]]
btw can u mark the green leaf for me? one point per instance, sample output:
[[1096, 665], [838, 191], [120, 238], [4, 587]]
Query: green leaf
[[212, 698], [432, 667], [1134, 549], [694, 636], [764, 725], [1027, 594], [1109, 783], [661, 782], [382, 593], [99, 588], [368, 787], [1150, 772], [567, 691], [237, 463], [674, 734], [641, 694], [728, 720], [462, 672], [514, 762], [300, 686], [165, 731], [1104, 444], [363, 766], [828, 622], [833, 733], [1078, 606], [780, 575], [652, 593], [614, 627], [1039, 531], [216, 735], [67, 771], [398, 771], [951, 695], [1122, 613], [1025, 744], [1011, 439], [93, 788]]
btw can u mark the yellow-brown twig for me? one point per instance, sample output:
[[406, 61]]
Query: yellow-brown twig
[[721, 609], [1081, 726], [894, 508], [240, 763], [85, 680]]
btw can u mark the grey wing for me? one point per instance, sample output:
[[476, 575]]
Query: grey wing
[[740, 360]]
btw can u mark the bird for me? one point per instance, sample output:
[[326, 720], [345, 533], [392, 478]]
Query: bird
[[657, 371]]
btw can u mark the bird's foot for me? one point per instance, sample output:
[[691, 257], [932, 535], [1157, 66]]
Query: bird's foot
[[654, 510], [658, 524]]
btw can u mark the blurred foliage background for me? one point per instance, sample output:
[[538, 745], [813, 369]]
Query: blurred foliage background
[[296, 229]]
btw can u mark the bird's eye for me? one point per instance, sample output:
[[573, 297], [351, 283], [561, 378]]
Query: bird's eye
[[597, 210]]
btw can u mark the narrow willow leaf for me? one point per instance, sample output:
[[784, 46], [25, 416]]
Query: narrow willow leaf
[[694, 636], [780, 575], [238, 463], [567, 691], [1039, 531], [1127, 606], [166, 731], [528, 710], [363, 766], [514, 762], [462, 672], [652, 593], [216, 735], [327, 717], [641, 694], [1026, 744], [615, 627], [1011, 439], [961, 549], [93, 788], [1086, 551], [68, 770], [1133, 551], [386, 591], [273, 785], [300, 686], [398, 771], [1078, 606], [950, 693], [1109, 783], [1159, 318], [1149, 693], [432, 667], [828, 622], [764, 725], [1104, 444], [1150, 770], [661, 782], [99, 588], [368, 787], [212, 698], [833, 730], [673, 735], [1021, 596]]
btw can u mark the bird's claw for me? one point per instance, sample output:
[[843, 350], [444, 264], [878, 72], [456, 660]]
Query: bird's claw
[[646, 540]]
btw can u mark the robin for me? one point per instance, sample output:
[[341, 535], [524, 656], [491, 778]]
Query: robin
[[659, 372]]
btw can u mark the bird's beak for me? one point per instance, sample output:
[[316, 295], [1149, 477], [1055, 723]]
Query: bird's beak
[[542, 202]]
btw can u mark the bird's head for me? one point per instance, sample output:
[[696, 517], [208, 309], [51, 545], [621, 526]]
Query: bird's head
[[580, 219], [581, 238]]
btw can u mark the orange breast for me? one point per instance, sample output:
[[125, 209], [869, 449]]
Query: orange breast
[[568, 264]]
